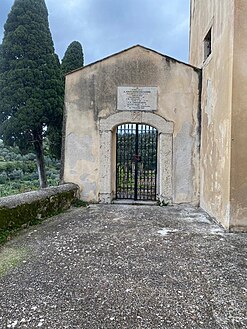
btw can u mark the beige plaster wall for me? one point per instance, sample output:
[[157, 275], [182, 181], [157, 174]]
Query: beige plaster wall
[[91, 96], [216, 103], [238, 193]]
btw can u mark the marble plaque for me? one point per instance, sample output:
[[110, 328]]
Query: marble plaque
[[137, 98]]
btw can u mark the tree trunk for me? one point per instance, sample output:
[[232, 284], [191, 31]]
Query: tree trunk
[[38, 146]]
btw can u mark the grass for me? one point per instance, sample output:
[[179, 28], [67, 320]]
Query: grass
[[10, 258]]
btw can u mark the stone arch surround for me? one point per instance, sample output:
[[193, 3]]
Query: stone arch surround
[[107, 149]]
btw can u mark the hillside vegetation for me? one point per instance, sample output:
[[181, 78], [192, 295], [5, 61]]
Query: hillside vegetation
[[18, 173]]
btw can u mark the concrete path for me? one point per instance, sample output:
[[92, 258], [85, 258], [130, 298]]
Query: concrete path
[[116, 266]]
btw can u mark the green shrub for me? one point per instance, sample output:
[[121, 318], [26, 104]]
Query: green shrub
[[3, 177], [79, 203], [15, 174]]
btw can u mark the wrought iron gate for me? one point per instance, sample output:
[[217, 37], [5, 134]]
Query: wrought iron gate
[[136, 162]]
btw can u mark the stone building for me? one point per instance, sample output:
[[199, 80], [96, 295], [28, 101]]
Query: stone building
[[141, 125]]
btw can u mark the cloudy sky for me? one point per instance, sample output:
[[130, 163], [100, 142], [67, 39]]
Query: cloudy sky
[[104, 27]]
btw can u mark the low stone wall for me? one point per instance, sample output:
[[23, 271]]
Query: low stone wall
[[28, 208]]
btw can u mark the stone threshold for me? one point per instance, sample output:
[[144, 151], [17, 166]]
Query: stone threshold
[[135, 202]]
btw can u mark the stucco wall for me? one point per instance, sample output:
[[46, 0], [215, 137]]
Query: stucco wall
[[217, 74], [91, 96], [238, 195]]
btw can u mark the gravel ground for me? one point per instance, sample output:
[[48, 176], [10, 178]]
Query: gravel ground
[[120, 266]]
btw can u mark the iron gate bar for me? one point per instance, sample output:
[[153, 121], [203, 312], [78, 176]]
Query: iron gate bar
[[136, 162]]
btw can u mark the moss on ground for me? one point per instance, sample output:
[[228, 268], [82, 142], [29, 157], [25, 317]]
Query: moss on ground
[[11, 258]]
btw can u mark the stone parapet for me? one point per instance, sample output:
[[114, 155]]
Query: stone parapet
[[27, 208]]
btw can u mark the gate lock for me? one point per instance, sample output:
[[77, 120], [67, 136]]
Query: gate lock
[[137, 158]]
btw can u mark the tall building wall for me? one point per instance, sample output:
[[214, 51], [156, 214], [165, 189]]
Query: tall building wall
[[211, 48], [238, 191]]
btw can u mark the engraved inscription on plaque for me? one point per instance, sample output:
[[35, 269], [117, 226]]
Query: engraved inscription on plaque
[[137, 98]]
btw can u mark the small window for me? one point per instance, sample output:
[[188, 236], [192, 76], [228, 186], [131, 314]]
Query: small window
[[208, 44]]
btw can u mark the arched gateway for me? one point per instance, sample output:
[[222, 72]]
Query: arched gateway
[[132, 130], [124, 174]]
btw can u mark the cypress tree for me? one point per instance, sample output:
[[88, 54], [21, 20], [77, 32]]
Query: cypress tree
[[73, 58], [0, 55], [31, 88]]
